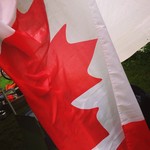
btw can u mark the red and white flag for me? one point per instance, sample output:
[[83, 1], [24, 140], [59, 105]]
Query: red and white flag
[[71, 76]]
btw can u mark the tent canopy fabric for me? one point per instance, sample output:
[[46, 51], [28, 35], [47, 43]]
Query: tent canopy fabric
[[128, 24]]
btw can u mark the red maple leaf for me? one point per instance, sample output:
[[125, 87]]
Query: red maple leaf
[[51, 75], [70, 79]]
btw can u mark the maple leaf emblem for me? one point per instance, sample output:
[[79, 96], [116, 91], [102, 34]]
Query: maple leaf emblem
[[85, 92], [71, 84], [70, 79]]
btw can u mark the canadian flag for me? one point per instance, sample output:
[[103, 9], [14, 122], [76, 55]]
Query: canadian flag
[[71, 76]]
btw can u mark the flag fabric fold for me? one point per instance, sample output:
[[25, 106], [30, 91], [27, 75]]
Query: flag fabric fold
[[71, 76]]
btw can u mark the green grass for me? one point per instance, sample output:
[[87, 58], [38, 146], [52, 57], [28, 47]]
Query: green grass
[[4, 82], [137, 68]]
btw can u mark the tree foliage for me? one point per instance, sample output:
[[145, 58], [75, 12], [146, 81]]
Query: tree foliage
[[137, 68]]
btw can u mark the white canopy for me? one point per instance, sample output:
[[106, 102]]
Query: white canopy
[[128, 23]]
